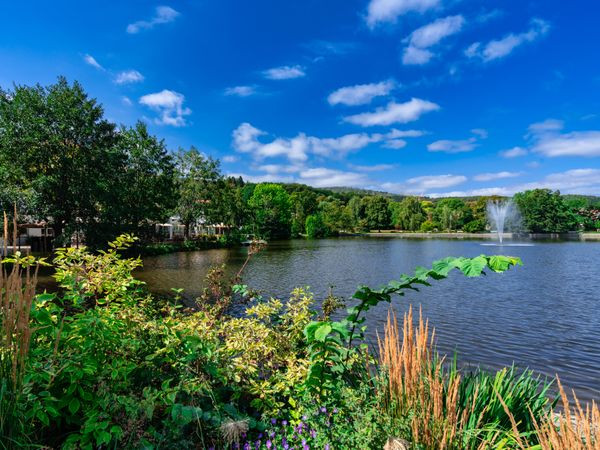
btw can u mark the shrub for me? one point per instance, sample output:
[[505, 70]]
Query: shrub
[[428, 226]]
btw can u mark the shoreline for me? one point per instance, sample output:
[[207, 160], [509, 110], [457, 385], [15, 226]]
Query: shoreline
[[575, 236]]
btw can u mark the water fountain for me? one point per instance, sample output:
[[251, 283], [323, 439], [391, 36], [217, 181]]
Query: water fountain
[[504, 215]]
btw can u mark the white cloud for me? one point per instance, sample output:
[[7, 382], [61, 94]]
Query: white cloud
[[395, 144], [496, 176], [513, 152], [230, 158], [240, 91], [449, 146], [129, 76], [502, 47], [373, 168], [284, 72], [483, 134], [126, 101], [298, 148], [360, 94], [577, 143], [163, 14], [545, 126], [423, 184], [389, 10], [394, 113], [324, 177], [89, 59], [170, 106], [429, 35]]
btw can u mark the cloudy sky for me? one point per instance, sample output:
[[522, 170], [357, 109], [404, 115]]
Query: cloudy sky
[[434, 97]]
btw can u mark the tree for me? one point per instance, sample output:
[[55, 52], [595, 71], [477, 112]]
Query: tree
[[545, 211], [304, 203], [271, 208], [452, 213], [408, 214], [315, 228], [59, 146], [377, 212], [147, 185], [199, 182]]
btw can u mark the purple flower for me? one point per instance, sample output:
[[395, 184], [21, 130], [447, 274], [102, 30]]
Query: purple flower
[[273, 421], [335, 410], [247, 446], [304, 418], [260, 435], [269, 444], [285, 444], [272, 434], [257, 444], [326, 447], [313, 434], [284, 423], [323, 409]]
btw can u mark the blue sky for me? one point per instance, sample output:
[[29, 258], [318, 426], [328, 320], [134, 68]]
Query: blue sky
[[427, 97]]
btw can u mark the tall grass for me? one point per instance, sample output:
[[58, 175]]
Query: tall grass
[[576, 428], [17, 291], [447, 410]]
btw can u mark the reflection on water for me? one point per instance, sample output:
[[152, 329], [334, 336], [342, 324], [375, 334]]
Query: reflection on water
[[544, 315]]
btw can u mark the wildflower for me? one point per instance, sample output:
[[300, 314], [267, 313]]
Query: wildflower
[[326, 447], [273, 421], [284, 423], [269, 444], [335, 410], [323, 409], [313, 434]]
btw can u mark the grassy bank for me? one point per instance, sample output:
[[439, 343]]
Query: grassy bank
[[102, 364]]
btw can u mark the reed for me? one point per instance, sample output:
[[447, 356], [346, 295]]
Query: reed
[[17, 291], [445, 410], [576, 428]]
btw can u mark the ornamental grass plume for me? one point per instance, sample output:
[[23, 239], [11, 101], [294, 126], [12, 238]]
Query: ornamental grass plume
[[17, 291], [575, 429], [233, 431]]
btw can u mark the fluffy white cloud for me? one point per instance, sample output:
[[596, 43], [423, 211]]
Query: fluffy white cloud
[[513, 152], [129, 76], [449, 146], [429, 35], [89, 59], [502, 47], [577, 143], [360, 94], [575, 181], [373, 168], [240, 91], [395, 144], [496, 176], [284, 72], [298, 148], [394, 113], [230, 158], [483, 134], [170, 106], [389, 10], [324, 177], [163, 14], [546, 126], [423, 184]]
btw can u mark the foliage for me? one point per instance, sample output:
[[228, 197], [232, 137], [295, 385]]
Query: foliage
[[475, 226], [545, 211], [315, 228], [408, 214], [270, 205], [452, 213], [377, 212]]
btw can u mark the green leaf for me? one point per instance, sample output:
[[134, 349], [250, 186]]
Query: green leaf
[[323, 331], [473, 267], [74, 405]]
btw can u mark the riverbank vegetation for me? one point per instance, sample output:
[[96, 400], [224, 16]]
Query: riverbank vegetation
[[67, 167], [101, 363]]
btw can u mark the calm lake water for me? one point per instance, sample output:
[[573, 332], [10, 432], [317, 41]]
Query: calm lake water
[[544, 315]]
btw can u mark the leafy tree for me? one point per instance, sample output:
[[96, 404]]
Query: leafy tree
[[146, 190], [304, 203], [377, 212], [271, 207], [199, 181], [408, 214], [58, 144], [315, 228], [336, 216], [545, 211], [356, 209], [452, 213]]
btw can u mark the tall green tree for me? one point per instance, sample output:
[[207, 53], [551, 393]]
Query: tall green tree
[[199, 181], [304, 203], [59, 145], [452, 213], [545, 211], [377, 212], [408, 214], [271, 209]]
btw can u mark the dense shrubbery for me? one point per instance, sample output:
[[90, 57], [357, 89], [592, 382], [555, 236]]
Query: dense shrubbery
[[110, 366]]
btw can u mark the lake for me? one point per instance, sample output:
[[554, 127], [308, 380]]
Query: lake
[[544, 315]]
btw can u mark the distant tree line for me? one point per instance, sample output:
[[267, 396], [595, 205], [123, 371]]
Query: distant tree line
[[63, 162]]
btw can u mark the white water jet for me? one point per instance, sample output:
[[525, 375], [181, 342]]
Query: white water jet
[[503, 215]]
